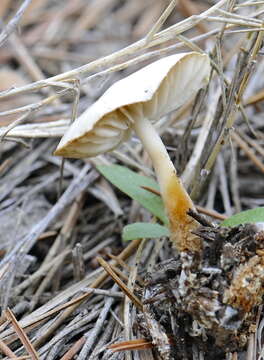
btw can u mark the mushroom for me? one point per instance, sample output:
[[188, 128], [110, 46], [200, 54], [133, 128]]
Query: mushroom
[[136, 102]]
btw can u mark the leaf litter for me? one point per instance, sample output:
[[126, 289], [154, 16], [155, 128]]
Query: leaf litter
[[51, 238]]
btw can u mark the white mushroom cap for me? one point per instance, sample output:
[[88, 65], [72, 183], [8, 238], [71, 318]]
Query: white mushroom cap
[[151, 92]]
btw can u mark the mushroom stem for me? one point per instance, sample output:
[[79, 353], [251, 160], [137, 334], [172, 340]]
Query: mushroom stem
[[176, 200]]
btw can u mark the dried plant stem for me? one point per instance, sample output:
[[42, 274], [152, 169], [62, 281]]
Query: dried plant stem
[[25, 58], [71, 305], [137, 344], [253, 99], [74, 349], [36, 106], [28, 109], [76, 187], [253, 143], [223, 185], [191, 169], [156, 27], [66, 230], [248, 151], [8, 352], [42, 130], [21, 334], [108, 268], [211, 213], [127, 303], [46, 282], [158, 39], [97, 328], [40, 272], [236, 92], [13, 23]]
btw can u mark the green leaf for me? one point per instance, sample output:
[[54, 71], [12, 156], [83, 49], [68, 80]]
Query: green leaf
[[248, 216], [131, 184], [144, 230]]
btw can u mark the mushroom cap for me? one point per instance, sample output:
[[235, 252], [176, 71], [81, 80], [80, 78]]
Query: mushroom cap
[[150, 92]]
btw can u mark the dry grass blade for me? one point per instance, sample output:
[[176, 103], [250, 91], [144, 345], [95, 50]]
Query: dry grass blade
[[28, 110], [68, 304], [127, 318], [77, 186], [161, 20], [92, 15], [74, 349], [253, 99], [13, 23], [257, 147], [209, 212], [33, 320], [43, 130], [138, 344], [158, 39], [108, 268], [8, 352], [21, 334], [248, 151], [124, 265], [189, 8]]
